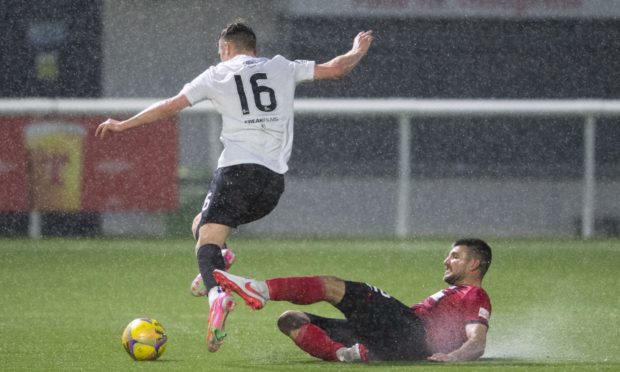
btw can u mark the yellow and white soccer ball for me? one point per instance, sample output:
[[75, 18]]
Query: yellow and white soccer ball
[[144, 339]]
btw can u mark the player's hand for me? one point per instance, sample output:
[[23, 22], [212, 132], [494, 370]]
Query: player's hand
[[109, 126], [441, 357], [362, 42]]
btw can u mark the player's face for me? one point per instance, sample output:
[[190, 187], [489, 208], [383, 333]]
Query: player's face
[[457, 264]]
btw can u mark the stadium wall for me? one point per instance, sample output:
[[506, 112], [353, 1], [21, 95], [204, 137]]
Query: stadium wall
[[152, 48], [367, 207], [446, 206]]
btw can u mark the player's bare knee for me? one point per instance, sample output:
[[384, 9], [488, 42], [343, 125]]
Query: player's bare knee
[[195, 223], [292, 320], [334, 288], [331, 281]]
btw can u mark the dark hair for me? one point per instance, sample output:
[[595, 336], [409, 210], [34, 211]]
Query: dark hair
[[239, 34], [480, 249]]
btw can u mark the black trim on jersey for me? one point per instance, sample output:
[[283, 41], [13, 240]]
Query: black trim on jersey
[[244, 101]]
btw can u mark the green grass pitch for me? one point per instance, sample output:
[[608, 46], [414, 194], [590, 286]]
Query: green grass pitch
[[65, 302]]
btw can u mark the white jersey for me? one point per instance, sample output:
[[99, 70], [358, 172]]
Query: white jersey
[[255, 97]]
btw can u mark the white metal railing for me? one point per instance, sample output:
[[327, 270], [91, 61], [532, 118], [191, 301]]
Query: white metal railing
[[404, 109]]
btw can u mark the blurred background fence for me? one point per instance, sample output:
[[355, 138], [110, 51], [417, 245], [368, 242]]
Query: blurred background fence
[[546, 164]]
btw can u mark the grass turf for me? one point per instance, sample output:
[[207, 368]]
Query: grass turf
[[65, 302]]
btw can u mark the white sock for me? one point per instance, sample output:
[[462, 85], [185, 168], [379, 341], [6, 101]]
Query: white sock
[[261, 287], [213, 293]]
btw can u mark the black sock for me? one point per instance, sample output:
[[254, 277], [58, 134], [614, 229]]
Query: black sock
[[209, 258]]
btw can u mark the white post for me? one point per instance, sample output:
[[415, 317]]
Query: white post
[[403, 208], [589, 177], [213, 133], [34, 225]]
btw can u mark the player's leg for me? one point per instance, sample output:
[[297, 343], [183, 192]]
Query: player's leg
[[383, 328], [310, 337], [209, 251], [297, 290], [238, 194], [197, 287], [195, 225], [227, 252], [306, 289], [209, 255], [324, 338], [211, 232], [291, 321]]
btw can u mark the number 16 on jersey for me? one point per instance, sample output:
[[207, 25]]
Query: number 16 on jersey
[[257, 91]]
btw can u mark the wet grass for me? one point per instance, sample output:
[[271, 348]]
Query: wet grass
[[65, 302]]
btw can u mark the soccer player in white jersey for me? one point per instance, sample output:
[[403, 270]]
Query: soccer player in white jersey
[[255, 96]]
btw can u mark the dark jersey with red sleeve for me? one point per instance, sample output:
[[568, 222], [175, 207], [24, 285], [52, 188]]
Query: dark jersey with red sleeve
[[446, 313]]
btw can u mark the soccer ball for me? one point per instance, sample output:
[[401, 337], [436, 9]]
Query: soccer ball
[[144, 339]]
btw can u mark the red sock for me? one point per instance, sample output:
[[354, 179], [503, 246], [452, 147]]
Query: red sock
[[298, 290], [314, 341]]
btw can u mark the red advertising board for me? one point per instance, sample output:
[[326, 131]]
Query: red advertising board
[[57, 164], [13, 166], [133, 170]]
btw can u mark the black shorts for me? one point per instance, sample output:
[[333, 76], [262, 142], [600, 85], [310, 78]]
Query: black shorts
[[241, 194], [387, 327]]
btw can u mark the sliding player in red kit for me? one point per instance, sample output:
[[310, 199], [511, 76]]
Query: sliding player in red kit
[[448, 326]]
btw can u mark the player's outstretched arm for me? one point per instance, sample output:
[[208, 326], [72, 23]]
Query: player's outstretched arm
[[344, 64], [472, 349], [157, 111]]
